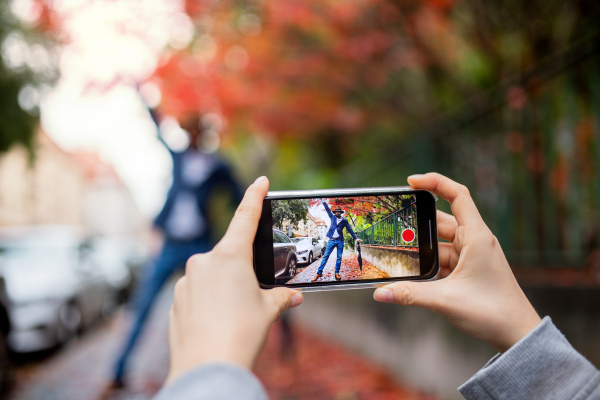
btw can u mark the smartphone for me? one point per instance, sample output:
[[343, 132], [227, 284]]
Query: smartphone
[[346, 238]]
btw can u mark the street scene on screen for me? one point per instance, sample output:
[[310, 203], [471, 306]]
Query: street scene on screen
[[345, 238]]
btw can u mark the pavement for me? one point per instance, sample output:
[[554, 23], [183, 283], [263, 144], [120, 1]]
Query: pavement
[[295, 364], [82, 369], [349, 270]]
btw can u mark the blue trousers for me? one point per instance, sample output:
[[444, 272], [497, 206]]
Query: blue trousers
[[172, 257], [333, 244]]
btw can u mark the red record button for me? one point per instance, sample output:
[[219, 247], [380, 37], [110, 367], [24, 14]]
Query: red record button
[[408, 235]]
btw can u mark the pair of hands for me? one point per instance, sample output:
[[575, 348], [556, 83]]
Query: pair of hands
[[220, 314]]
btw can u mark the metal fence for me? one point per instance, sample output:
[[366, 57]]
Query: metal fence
[[388, 231], [532, 171]]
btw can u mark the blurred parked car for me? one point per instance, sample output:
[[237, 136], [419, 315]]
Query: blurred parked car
[[54, 289], [323, 244], [284, 252], [307, 249], [119, 260]]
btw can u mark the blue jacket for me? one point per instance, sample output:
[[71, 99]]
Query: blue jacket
[[340, 227], [221, 176]]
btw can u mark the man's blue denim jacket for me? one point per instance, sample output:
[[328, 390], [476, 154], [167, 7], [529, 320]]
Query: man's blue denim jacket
[[340, 227]]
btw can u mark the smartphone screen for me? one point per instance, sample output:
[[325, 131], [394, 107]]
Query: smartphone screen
[[341, 239]]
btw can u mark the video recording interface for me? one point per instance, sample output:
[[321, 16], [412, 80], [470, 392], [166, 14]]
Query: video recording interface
[[345, 238]]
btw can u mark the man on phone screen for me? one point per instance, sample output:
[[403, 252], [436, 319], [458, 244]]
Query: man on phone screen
[[336, 240]]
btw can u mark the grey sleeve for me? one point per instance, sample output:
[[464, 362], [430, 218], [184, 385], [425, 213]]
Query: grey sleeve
[[542, 365], [214, 382]]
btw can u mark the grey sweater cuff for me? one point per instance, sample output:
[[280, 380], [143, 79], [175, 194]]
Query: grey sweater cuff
[[214, 382], [542, 365]]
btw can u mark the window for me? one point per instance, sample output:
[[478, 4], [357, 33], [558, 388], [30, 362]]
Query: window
[[283, 238]]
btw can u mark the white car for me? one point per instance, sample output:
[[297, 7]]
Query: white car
[[307, 249]]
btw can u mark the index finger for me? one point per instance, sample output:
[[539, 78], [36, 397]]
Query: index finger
[[242, 228], [458, 196]]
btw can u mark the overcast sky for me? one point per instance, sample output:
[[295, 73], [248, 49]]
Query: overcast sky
[[111, 40], [319, 211]]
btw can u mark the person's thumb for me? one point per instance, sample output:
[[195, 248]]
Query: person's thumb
[[284, 298], [420, 294]]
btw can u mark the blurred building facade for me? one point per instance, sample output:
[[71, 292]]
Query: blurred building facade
[[52, 186], [311, 227], [108, 207], [321, 228], [47, 188]]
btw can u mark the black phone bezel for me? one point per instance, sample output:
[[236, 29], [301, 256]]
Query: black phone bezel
[[264, 263]]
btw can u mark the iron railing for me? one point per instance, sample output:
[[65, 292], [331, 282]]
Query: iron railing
[[388, 231]]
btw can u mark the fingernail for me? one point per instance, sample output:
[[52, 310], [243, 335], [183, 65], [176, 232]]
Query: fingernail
[[260, 179], [297, 299], [415, 176], [384, 295]]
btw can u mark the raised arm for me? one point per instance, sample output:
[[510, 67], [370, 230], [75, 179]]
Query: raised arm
[[327, 208], [155, 119]]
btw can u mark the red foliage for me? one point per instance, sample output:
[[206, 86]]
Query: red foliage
[[357, 206], [48, 21], [293, 68], [301, 69]]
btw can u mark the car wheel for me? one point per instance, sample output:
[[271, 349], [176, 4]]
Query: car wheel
[[292, 267], [69, 322], [310, 258]]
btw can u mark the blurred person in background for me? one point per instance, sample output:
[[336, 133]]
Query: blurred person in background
[[184, 223]]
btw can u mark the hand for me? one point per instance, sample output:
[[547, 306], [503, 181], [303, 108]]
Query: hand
[[481, 295], [358, 240], [219, 313]]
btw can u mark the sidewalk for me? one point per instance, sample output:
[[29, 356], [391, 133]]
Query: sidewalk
[[349, 270], [81, 370], [306, 367], [314, 367]]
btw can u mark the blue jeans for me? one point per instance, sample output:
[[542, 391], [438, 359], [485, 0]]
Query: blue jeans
[[333, 244], [172, 257]]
